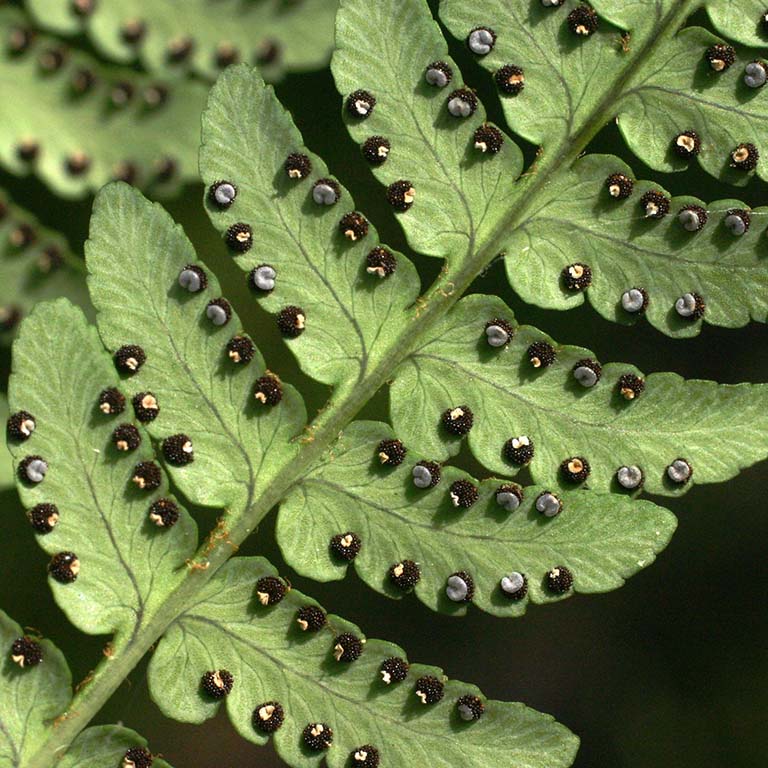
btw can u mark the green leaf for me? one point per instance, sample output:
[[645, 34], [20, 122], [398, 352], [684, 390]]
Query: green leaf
[[42, 107], [302, 31], [127, 564], [718, 429], [740, 20], [32, 271], [579, 222], [135, 254], [272, 660], [351, 316], [6, 465], [34, 698], [461, 194], [603, 539]]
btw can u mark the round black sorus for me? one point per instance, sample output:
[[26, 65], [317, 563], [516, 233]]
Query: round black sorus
[[462, 102], [401, 195], [326, 192], [763, 21], [630, 386], [353, 226], [10, 317], [27, 150], [576, 469], [270, 590], [125, 171], [147, 476], [217, 683], [82, 81], [43, 517], [52, 59], [737, 221], [756, 74], [83, 8], [346, 546], [548, 504], [179, 48], [429, 690], [33, 469], [21, 236], [126, 438], [20, 426], [514, 585], [438, 73], [470, 707], [297, 166], [510, 79], [745, 157], [463, 494], [193, 278], [19, 39], [129, 358], [239, 237], [77, 163], [111, 401], [541, 354], [26, 652], [577, 276], [268, 717], [552, 3], [458, 420], [720, 57], [488, 139], [64, 567], [518, 450], [360, 104], [559, 580], [376, 149], [268, 52], [317, 736], [51, 258], [222, 194], [655, 204], [145, 406], [166, 168], [268, 390], [583, 21], [225, 55], [680, 471], [634, 300], [137, 757], [366, 756], [218, 311], [460, 587], [380, 262], [262, 278], [630, 477], [391, 452], [132, 31], [178, 450], [687, 144], [509, 496], [240, 350], [155, 95], [499, 332], [691, 306], [394, 670], [405, 575], [291, 321], [164, 513], [426, 474], [311, 618], [692, 218], [587, 372], [348, 647], [481, 40], [121, 93]]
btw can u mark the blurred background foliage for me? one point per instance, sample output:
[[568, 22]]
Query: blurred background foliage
[[671, 670]]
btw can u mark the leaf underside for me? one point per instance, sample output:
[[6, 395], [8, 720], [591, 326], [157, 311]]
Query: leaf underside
[[271, 659], [280, 35]]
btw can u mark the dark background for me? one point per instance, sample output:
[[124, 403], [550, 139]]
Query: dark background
[[671, 670]]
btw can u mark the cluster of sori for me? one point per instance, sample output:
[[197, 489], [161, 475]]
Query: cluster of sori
[[20, 236], [80, 81], [178, 50]]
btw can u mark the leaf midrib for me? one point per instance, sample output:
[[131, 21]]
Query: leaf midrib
[[348, 398]]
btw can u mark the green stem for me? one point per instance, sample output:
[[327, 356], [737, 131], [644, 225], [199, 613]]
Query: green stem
[[345, 403]]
